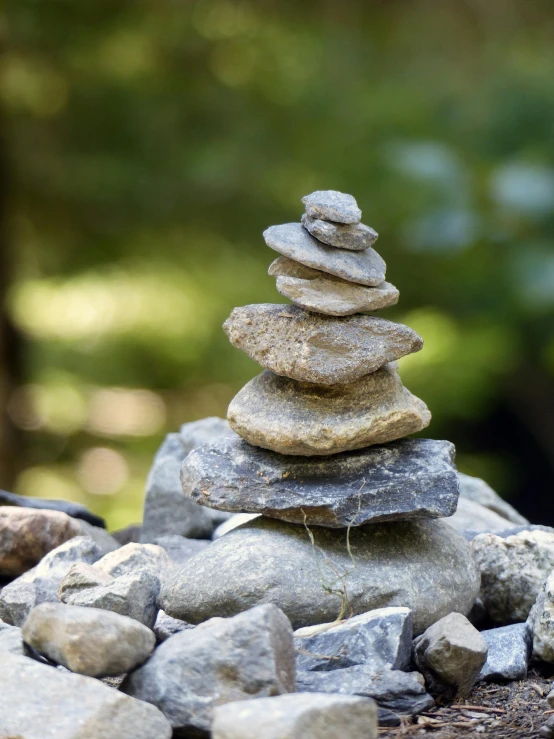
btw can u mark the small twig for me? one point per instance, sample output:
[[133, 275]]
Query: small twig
[[469, 707]]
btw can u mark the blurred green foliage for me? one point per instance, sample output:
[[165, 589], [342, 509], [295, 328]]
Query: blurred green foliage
[[152, 142]]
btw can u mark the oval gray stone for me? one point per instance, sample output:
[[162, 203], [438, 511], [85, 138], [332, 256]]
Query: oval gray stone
[[412, 478], [332, 205], [425, 566], [310, 347], [351, 236], [293, 241], [300, 418]]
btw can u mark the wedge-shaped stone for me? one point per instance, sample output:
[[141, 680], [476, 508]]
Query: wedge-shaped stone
[[300, 418], [422, 565], [292, 240], [38, 701], [314, 348], [413, 478], [332, 205], [355, 236]]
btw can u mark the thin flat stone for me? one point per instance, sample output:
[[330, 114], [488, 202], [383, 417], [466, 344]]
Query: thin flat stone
[[300, 418], [313, 348], [294, 241], [332, 205], [412, 478], [355, 236]]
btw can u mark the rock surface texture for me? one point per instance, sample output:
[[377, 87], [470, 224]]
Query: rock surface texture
[[509, 652], [332, 205], [541, 621], [413, 478], [352, 236]]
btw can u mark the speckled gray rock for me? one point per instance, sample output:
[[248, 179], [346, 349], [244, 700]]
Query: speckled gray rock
[[477, 490], [11, 640], [450, 655], [179, 549], [351, 236], [472, 516], [425, 566], [411, 478], [400, 692], [82, 576], [166, 512], [27, 535], [541, 621], [88, 641], [332, 205], [509, 653], [167, 626], [293, 241], [299, 418], [248, 656], [40, 702], [75, 510], [299, 716], [513, 570], [382, 638], [310, 347], [134, 557], [40, 584]]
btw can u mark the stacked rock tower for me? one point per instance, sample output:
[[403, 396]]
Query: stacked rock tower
[[319, 440]]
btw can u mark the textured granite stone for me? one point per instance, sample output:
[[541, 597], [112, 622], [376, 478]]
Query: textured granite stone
[[541, 621], [382, 638], [299, 716], [509, 652], [40, 702], [167, 626], [300, 418], [477, 490], [332, 205], [293, 241], [412, 478], [355, 237], [310, 347], [425, 566]]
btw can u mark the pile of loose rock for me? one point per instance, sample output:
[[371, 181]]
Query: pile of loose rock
[[325, 585]]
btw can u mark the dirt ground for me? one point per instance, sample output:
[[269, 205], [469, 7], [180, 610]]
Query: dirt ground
[[507, 711]]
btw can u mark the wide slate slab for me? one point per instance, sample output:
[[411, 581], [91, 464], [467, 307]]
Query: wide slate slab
[[412, 478], [311, 347], [294, 241], [352, 236]]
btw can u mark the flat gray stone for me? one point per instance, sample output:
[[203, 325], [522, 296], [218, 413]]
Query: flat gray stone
[[40, 702], [509, 653], [310, 347], [382, 638], [477, 490], [450, 655], [513, 570], [248, 656], [88, 641], [332, 205], [472, 516], [75, 510], [541, 621], [298, 716], [292, 240], [399, 692], [299, 418], [354, 237], [166, 511], [412, 478], [425, 566], [167, 626]]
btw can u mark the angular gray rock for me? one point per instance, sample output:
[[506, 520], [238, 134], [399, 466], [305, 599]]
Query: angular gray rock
[[88, 641], [412, 478], [293, 241], [450, 655], [40, 584], [352, 236], [399, 692], [180, 549], [310, 347], [425, 566], [509, 653], [167, 626], [472, 516], [134, 557], [166, 511], [541, 621], [513, 570], [75, 510], [380, 638], [477, 490], [299, 418], [80, 577], [39, 701], [297, 717], [332, 205], [27, 535], [248, 656], [11, 640]]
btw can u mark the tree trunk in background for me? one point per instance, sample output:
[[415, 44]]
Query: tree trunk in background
[[10, 364]]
